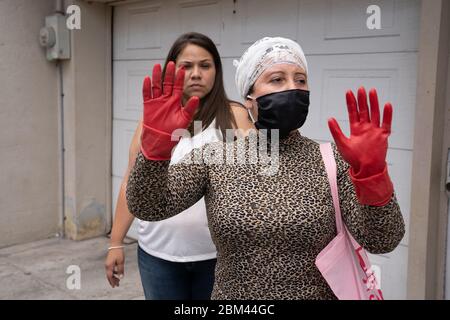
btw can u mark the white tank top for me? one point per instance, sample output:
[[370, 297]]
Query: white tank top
[[184, 237]]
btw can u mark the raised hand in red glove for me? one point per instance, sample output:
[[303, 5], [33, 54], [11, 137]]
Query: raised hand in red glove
[[164, 112], [366, 148]]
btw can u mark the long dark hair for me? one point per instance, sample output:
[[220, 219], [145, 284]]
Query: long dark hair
[[215, 105]]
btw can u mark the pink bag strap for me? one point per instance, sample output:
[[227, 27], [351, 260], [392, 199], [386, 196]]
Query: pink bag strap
[[330, 167]]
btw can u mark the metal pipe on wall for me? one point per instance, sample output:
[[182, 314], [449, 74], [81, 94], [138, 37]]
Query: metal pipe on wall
[[59, 8]]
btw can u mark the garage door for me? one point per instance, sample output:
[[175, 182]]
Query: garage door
[[342, 53]]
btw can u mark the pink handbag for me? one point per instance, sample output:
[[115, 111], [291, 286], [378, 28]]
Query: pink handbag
[[343, 262]]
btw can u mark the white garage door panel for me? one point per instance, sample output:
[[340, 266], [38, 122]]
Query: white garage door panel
[[123, 131], [228, 79], [393, 75], [257, 17], [127, 94], [122, 135], [400, 166], [211, 18], [139, 31], [393, 267], [133, 231], [339, 26], [116, 181], [147, 30]]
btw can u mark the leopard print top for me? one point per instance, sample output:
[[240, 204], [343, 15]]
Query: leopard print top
[[268, 229]]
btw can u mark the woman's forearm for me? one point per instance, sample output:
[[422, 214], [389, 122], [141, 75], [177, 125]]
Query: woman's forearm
[[123, 218], [155, 192]]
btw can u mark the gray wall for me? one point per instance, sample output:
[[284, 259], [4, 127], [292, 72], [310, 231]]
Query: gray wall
[[87, 125], [31, 179], [446, 202], [28, 126]]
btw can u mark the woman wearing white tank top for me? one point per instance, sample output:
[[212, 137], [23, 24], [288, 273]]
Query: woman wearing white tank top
[[177, 256]]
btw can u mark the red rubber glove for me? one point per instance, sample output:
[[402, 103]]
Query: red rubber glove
[[365, 151], [164, 113]]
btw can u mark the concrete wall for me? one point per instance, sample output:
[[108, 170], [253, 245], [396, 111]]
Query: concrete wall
[[443, 248], [446, 201], [31, 176], [28, 126], [429, 216], [87, 124]]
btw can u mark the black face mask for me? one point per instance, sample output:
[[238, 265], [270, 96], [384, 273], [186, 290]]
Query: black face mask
[[285, 110]]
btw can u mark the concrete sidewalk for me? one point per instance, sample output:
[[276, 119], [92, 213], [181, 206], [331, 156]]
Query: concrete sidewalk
[[38, 270]]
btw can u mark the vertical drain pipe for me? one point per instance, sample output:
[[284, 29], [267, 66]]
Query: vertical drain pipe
[[61, 150], [59, 6]]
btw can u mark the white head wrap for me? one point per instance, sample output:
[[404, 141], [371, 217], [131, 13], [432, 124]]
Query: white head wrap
[[263, 54]]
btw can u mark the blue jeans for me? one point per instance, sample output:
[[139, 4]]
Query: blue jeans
[[167, 280]]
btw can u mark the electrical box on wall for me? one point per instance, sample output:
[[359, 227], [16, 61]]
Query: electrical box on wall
[[55, 36]]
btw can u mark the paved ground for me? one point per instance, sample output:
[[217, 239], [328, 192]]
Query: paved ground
[[38, 270]]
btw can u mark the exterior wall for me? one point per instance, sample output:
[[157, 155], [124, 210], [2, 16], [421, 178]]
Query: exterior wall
[[87, 130], [28, 126], [31, 179], [444, 209], [446, 200], [428, 214]]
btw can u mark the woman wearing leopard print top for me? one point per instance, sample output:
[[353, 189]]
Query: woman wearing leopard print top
[[270, 220]]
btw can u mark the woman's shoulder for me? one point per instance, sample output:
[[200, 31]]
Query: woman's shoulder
[[236, 104], [238, 109], [241, 117]]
